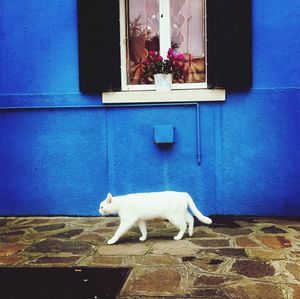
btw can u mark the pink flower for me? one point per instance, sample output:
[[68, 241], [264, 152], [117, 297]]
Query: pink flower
[[170, 51], [158, 58], [180, 57], [171, 56], [152, 53]]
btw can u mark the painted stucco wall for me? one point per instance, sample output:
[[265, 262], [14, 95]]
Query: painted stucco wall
[[63, 161]]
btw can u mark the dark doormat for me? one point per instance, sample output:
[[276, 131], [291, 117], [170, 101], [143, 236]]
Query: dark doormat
[[61, 283]]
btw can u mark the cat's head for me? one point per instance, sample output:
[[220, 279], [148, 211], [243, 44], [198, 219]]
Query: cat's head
[[106, 206]]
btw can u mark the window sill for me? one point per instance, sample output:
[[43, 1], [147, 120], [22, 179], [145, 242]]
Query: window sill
[[192, 95]]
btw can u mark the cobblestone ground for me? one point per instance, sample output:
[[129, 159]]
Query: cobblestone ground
[[232, 258]]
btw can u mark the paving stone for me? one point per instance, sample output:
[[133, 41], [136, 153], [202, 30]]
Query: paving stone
[[208, 293], [243, 223], [229, 252], [12, 233], [112, 261], [211, 280], [93, 238], [273, 230], [33, 221], [45, 228], [266, 254], [10, 260], [123, 249], [68, 234], [275, 242], [104, 230], [181, 247], [233, 231], [158, 223], [211, 242], [150, 260], [295, 254], [56, 246], [136, 230], [112, 224], [30, 221], [10, 249], [162, 234], [285, 221], [255, 290], [211, 272], [200, 233], [10, 239], [91, 220], [245, 242], [188, 258], [295, 291], [253, 268], [208, 264], [10, 236], [261, 219], [4, 222], [294, 227], [69, 260], [294, 269], [161, 281]]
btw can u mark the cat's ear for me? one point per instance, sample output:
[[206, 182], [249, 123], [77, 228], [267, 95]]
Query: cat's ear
[[109, 198]]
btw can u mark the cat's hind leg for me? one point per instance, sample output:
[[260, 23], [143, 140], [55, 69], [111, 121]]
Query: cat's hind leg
[[125, 225], [181, 224], [142, 225], [190, 221]]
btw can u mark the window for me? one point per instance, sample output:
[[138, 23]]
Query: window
[[157, 25], [214, 35]]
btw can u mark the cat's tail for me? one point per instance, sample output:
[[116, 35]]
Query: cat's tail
[[197, 213]]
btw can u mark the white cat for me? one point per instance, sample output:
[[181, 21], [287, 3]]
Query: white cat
[[135, 209]]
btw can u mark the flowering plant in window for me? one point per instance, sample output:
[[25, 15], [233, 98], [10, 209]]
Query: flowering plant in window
[[155, 64]]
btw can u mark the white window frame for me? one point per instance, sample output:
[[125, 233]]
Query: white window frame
[[165, 42], [146, 93]]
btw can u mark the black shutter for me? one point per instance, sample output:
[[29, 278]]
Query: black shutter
[[99, 45], [229, 43]]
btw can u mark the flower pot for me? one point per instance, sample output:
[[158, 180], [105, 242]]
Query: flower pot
[[163, 82]]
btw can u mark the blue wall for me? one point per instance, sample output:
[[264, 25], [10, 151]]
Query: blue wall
[[63, 161]]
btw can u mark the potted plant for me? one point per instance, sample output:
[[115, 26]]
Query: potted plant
[[163, 71]]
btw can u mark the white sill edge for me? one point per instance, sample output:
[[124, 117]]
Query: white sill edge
[[192, 95]]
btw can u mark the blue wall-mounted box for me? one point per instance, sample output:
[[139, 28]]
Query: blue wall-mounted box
[[164, 134]]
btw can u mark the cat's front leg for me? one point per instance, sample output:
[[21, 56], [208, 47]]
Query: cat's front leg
[[123, 228], [142, 225]]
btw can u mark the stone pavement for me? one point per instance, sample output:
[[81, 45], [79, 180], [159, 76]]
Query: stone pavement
[[238, 257]]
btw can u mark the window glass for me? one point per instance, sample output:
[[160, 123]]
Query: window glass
[[143, 36], [187, 36]]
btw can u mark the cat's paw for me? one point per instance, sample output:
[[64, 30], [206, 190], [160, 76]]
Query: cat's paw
[[142, 239], [177, 238], [111, 242]]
